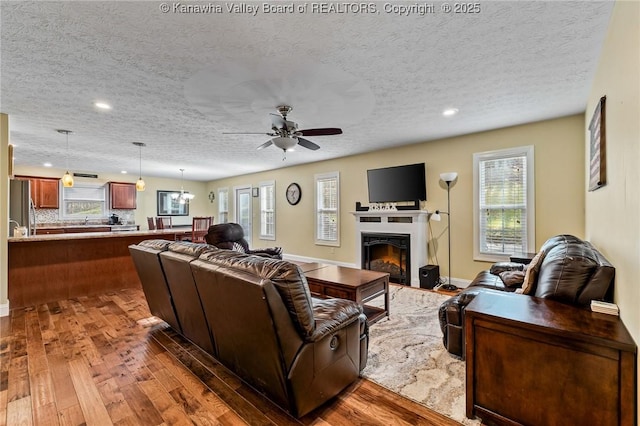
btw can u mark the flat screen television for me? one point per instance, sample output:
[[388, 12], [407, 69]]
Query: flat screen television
[[397, 184]]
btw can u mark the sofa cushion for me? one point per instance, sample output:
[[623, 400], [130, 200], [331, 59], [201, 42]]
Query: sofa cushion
[[189, 248], [155, 244]]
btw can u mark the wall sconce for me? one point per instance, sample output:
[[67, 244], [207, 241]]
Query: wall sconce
[[212, 196]]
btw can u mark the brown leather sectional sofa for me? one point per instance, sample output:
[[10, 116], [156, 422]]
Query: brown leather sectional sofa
[[256, 316], [566, 269]]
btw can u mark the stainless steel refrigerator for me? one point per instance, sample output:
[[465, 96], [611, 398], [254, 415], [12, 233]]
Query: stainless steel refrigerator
[[21, 209]]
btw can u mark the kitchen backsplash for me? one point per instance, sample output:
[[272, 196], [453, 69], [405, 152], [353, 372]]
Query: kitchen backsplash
[[49, 217]]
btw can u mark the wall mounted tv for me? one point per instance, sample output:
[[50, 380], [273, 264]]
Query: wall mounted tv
[[397, 184]]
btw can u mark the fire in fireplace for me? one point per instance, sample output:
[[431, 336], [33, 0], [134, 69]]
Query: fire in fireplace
[[388, 253]]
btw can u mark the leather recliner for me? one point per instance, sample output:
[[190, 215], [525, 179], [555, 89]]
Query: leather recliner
[[264, 326], [230, 236], [568, 270], [146, 258]]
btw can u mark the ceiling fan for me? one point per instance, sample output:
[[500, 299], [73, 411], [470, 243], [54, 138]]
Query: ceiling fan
[[286, 134]]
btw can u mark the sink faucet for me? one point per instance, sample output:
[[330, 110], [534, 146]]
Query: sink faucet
[[86, 220], [15, 221]]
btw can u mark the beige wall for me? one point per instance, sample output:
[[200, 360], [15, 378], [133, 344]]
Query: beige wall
[[559, 167], [613, 212], [146, 201]]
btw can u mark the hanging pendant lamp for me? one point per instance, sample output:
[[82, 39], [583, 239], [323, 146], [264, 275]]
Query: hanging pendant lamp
[[140, 185], [67, 178]]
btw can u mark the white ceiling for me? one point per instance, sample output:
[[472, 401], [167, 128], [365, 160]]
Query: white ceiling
[[177, 81]]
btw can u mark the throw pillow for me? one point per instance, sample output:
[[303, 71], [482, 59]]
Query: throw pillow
[[512, 278], [238, 247], [531, 276]]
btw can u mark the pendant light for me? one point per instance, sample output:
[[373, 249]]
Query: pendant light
[[182, 197], [67, 179], [140, 183]]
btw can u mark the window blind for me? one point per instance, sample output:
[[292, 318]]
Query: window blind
[[503, 204], [327, 208], [267, 210]]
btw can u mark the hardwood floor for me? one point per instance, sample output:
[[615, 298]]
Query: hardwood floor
[[105, 360]]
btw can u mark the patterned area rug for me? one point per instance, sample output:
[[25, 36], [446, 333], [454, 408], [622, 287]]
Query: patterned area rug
[[406, 354]]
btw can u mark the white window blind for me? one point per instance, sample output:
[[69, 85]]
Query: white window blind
[[504, 203], [328, 209], [267, 210], [84, 200], [223, 205]]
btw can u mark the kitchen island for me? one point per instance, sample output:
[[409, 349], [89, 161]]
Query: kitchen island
[[46, 268]]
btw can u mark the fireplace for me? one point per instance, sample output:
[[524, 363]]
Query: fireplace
[[388, 253], [409, 224]]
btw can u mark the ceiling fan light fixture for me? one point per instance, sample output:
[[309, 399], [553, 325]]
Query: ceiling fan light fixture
[[284, 143]]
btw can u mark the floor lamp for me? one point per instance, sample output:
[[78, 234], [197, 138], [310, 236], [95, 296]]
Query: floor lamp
[[447, 178]]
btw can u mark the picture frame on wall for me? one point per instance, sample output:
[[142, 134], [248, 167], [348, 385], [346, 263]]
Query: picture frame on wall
[[597, 147], [168, 206]]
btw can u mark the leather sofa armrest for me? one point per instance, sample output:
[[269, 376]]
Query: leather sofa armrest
[[333, 314], [499, 267]]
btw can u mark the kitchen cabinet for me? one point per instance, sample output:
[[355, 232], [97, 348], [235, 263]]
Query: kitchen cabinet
[[45, 192], [123, 195]]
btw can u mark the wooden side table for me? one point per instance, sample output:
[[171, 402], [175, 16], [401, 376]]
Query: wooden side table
[[522, 257], [360, 285], [537, 361]]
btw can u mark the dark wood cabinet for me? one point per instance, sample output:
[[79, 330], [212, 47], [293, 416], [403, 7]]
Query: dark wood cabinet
[[123, 195], [45, 192], [535, 361]]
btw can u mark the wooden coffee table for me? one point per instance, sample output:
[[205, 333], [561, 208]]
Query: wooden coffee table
[[360, 285]]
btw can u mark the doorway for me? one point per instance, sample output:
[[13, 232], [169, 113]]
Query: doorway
[[243, 211]]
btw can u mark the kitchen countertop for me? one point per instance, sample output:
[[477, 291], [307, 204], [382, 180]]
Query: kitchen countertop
[[90, 235]]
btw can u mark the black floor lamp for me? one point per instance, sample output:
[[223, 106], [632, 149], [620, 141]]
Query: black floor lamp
[[447, 178]]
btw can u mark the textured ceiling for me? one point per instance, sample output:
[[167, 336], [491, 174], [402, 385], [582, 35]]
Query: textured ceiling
[[178, 81]]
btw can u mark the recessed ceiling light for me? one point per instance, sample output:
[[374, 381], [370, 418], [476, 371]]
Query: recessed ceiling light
[[449, 112], [102, 105], [124, 172], [47, 164]]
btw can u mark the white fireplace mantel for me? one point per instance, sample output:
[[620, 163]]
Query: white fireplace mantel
[[396, 222]]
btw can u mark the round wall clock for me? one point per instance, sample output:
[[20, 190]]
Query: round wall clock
[[293, 194]]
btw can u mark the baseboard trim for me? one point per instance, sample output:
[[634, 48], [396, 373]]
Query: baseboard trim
[[4, 309]]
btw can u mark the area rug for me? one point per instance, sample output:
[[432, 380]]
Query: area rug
[[406, 354]]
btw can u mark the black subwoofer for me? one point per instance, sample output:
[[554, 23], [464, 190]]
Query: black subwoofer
[[429, 276]]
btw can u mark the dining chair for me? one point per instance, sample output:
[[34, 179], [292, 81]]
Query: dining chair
[[152, 223], [164, 222], [199, 228]]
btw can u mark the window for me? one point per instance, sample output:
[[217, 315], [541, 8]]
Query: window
[[267, 210], [84, 200], [223, 205], [328, 209], [504, 211]]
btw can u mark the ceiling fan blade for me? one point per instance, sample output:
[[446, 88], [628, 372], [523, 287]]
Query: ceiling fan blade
[[264, 145], [308, 144], [246, 133], [321, 132]]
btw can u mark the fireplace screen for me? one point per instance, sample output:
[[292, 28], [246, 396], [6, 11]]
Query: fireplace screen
[[387, 253]]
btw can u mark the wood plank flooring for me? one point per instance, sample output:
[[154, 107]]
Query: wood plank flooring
[[104, 360]]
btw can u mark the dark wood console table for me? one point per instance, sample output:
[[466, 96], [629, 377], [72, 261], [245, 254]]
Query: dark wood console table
[[536, 361]]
